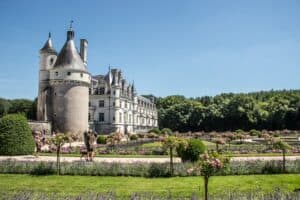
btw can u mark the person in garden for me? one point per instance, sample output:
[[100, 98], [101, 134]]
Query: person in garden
[[38, 142], [89, 140]]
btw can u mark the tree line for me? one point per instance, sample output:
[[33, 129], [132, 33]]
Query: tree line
[[23, 106], [271, 110]]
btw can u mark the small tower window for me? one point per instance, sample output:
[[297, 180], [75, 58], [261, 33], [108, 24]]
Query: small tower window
[[56, 73], [69, 73], [51, 61], [81, 75]]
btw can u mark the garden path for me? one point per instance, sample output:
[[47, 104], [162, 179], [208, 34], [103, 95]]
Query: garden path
[[128, 160]]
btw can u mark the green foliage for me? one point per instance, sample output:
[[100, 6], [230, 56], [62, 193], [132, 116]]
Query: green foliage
[[58, 141], [133, 137], [15, 136], [101, 139], [43, 168], [192, 151], [272, 110], [22, 106], [142, 169], [166, 131], [154, 130], [254, 132], [158, 170], [279, 144]]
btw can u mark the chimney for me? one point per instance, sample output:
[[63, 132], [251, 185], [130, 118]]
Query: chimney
[[83, 50]]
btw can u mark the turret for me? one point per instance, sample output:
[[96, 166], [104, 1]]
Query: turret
[[70, 83], [48, 57]]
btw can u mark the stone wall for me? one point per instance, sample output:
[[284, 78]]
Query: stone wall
[[42, 126]]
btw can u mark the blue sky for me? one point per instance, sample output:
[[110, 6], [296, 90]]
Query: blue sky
[[192, 48]]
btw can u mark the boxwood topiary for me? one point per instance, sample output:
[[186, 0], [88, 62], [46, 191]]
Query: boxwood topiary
[[101, 139], [15, 135], [192, 152]]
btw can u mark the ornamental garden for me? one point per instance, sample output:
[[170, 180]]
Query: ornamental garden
[[254, 158]]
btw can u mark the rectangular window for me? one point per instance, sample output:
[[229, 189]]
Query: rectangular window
[[101, 103], [89, 116], [101, 117], [101, 90], [90, 104], [69, 73]]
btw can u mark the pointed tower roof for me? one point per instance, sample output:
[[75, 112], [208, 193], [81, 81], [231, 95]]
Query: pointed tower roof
[[48, 47], [69, 57]]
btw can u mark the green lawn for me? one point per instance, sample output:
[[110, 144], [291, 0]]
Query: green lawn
[[125, 186]]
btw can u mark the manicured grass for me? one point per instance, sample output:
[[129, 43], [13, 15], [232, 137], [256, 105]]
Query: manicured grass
[[125, 186], [152, 145], [262, 155]]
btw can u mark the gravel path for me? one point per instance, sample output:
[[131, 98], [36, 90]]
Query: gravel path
[[128, 160]]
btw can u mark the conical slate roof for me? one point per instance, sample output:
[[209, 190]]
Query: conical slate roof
[[69, 57], [48, 47]]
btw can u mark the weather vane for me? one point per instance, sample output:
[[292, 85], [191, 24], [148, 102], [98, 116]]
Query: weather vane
[[71, 24]]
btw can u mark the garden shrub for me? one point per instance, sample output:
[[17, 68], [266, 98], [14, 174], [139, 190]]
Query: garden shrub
[[166, 131], [133, 137], [154, 130], [254, 132], [43, 168], [101, 139], [272, 167], [158, 170], [152, 135], [15, 136], [192, 152]]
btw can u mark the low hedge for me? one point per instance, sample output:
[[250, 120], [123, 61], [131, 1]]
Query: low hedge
[[143, 169]]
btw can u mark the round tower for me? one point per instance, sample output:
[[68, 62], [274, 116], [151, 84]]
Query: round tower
[[48, 57], [70, 83]]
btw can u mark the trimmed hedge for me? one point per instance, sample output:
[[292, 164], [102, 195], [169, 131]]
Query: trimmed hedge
[[144, 169], [15, 136]]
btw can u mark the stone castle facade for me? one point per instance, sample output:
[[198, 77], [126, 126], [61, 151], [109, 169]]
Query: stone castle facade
[[74, 101], [114, 105]]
